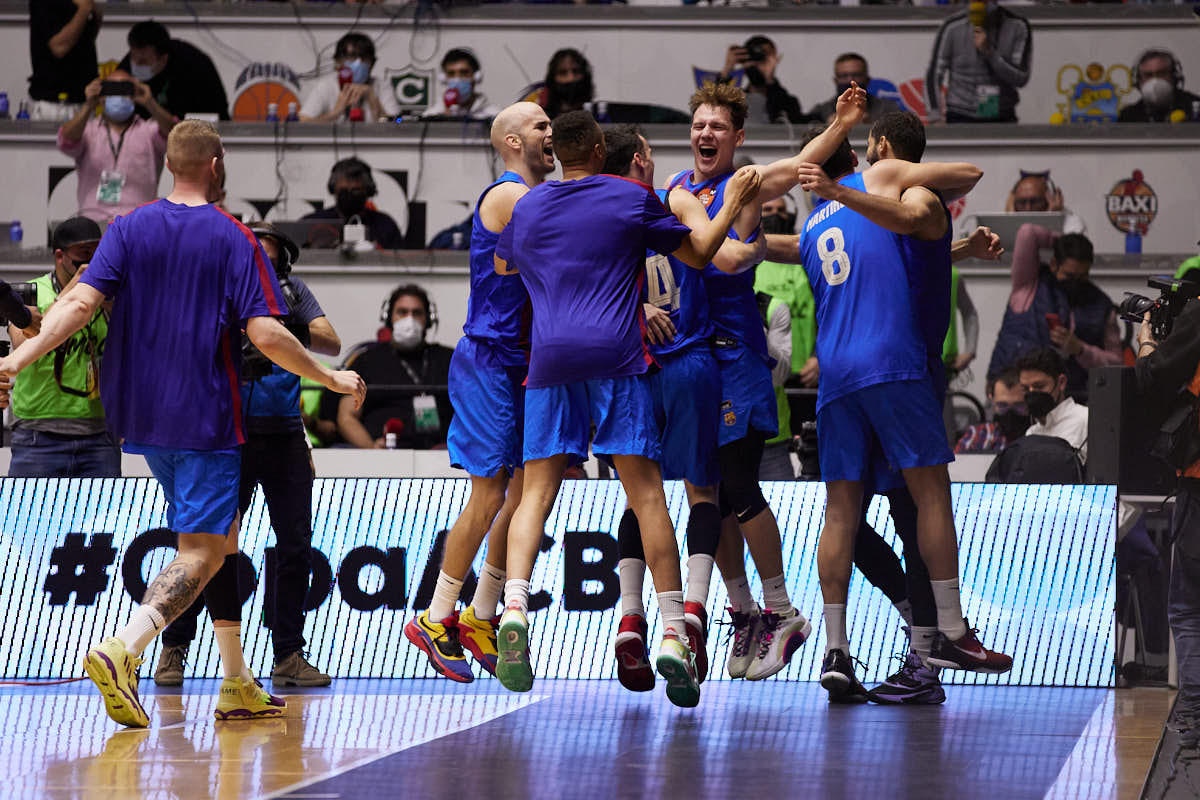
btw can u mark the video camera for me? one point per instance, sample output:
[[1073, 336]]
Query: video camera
[[14, 297], [1174, 294]]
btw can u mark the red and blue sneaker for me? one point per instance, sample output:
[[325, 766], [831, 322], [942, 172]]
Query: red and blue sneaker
[[439, 641], [633, 658]]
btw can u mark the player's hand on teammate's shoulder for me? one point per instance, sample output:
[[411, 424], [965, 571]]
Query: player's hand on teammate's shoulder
[[982, 243], [813, 179], [659, 327], [349, 382], [851, 105], [743, 186]]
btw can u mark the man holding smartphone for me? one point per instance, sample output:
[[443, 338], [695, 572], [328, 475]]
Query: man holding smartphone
[[1057, 306], [118, 155]]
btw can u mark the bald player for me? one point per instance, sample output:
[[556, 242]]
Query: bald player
[[186, 278], [487, 374]]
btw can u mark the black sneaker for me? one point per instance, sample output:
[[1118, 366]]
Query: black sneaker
[[915, 684], [837, 677]]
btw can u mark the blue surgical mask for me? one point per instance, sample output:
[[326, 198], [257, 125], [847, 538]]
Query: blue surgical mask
[[462, 86], [143, 72], [118, 108], [359, 70]]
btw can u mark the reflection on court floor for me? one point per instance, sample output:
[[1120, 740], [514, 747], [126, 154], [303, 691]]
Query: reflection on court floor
[[63, 746]]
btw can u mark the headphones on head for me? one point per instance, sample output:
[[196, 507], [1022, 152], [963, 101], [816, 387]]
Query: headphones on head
[[1176, 67], [385, 311], [289, 252], [352, 168], [1025, 173], [468, 55]]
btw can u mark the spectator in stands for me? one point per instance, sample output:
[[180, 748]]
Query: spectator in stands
[[958, 353], [62, 51], [1057, 306], [461, 74], [58, 428], [776, 461], [182, 78], [768, 100], [568, 85], [118, 157], [351, 91], [1009, 417], [419, 418], [1043, 375], [352, 186], [1035, 191], [852, 67], [1159, 80], [981, 61]]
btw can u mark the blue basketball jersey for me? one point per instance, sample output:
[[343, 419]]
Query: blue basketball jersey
[[732, 305], [867, 329], [498, 306], [929, 265], [679, 290]]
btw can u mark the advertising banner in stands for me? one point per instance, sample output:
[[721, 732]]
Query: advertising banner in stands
[[1037, 576]]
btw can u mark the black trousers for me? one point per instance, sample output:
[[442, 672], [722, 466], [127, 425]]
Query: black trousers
[[280, 464]]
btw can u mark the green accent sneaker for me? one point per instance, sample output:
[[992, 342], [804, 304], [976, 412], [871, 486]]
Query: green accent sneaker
[[676, 666], [513, 666]]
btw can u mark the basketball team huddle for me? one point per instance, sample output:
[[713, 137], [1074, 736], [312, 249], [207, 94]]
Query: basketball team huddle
[[610, 316]]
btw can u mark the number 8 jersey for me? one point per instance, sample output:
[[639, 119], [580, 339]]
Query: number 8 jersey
[[679, 290], [867, 330]]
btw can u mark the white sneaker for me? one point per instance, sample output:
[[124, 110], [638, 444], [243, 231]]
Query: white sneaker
[[746, 626], [778, 638]]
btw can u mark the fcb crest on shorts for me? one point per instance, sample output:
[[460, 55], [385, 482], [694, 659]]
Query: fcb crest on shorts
[[728, 415]]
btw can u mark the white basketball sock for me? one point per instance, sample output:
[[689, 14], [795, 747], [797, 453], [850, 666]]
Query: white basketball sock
[[487, 591], [445, 595], [740, 598], [143, 626], [670, 605], [775, 596], [229, 643], [949, 609], [632, 574], [699, 577], [835, 628], [516, 595]]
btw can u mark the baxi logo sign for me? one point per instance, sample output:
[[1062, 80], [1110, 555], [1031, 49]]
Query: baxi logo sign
[[1132, 205], [78, 555]]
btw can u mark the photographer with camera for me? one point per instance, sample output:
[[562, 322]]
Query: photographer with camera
[[59, 429], [1168, 387], [276, 457], [118, 156], [768, 100]]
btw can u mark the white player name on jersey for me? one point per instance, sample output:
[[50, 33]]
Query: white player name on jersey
[[816, 219]]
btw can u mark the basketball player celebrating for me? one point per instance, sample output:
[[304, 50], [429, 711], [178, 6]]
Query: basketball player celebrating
[[763, 642], [186, 278], [579, 245], [486, 387], [876, 383], [686, 395]]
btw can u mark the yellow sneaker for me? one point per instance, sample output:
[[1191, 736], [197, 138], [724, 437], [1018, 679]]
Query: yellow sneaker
[[243, 699], [114, 671], [479, 636]]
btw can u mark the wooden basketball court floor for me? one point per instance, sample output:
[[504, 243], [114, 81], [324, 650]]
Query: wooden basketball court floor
[[566, 739]]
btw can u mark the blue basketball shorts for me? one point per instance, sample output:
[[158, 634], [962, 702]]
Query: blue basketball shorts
[[200, 486], [687, 401], [488, 396], [747, 395], [559, 419]]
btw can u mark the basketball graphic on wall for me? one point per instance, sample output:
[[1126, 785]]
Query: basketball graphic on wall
[[251, 105]]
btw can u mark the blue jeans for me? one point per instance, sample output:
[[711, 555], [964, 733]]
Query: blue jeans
[[36, 454], [1183, 605]]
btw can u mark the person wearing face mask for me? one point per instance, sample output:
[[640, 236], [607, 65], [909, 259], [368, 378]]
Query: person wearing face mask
[[58, 428], [1009, 417], [1043, 376], [1159, 80], [181, 77], [352, 186], [847, 68], [461, 98], [401, 358], [350, 91], [1057, 306], [568, 85], [118, 156]]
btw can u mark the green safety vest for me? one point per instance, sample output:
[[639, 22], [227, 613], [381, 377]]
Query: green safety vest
[[38, 394], [950, 346]]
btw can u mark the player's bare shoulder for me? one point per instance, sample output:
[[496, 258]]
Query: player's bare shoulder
[[496, 209]]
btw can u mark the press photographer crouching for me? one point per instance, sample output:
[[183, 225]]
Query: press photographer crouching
[[59, 429], [276, 457], [1168, 387]]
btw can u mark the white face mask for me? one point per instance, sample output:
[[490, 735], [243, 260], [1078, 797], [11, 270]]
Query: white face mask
[[1157, 92], [407, 333]]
